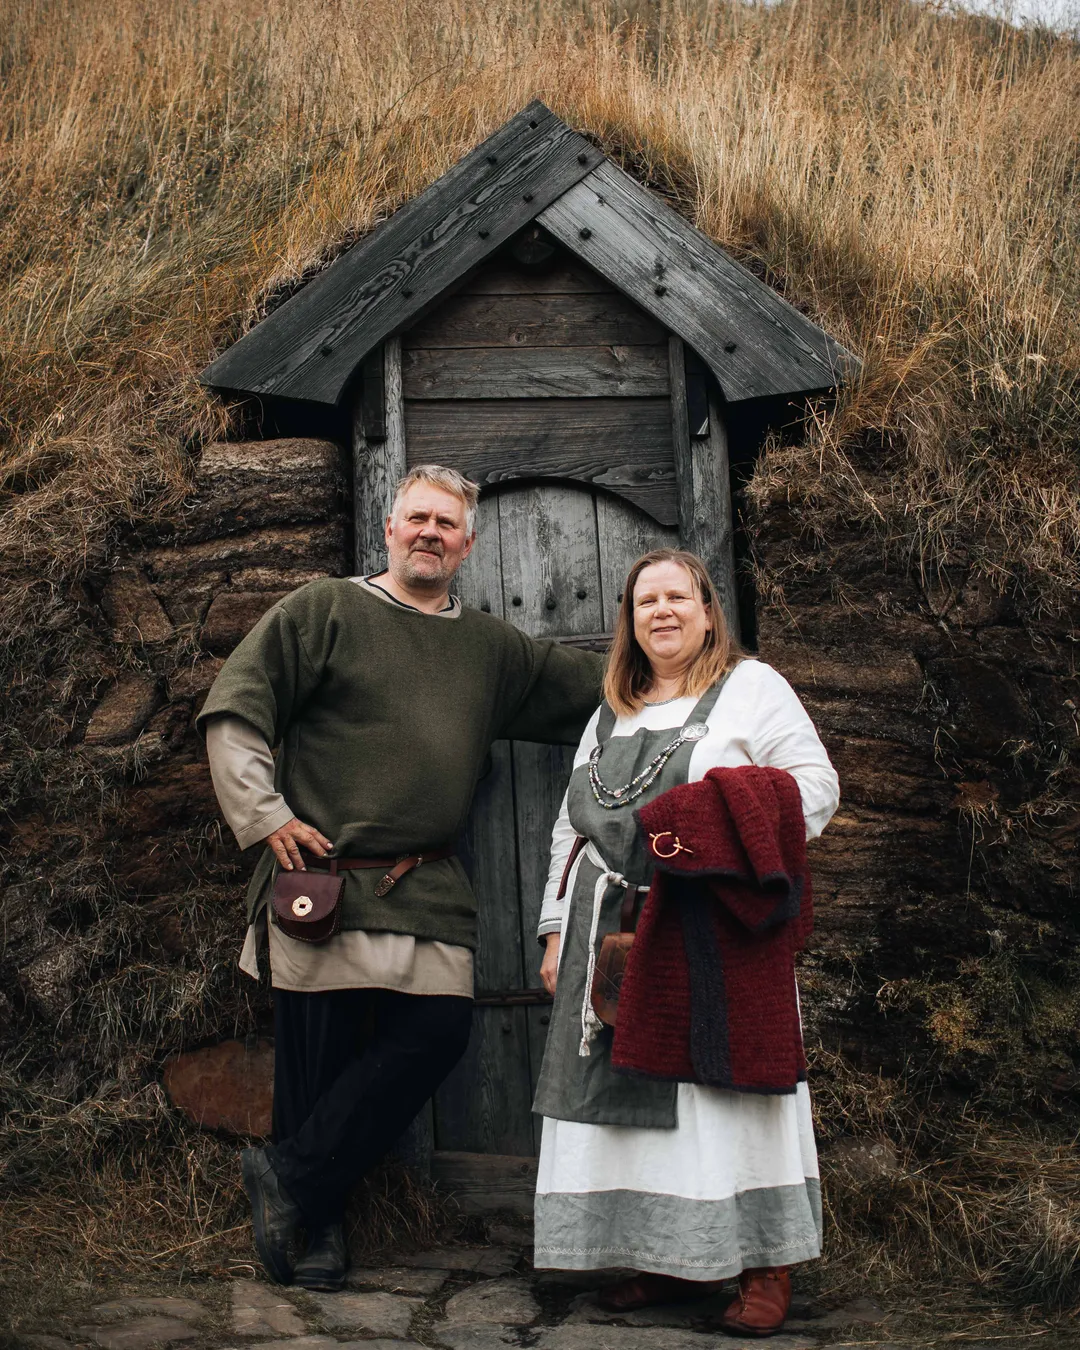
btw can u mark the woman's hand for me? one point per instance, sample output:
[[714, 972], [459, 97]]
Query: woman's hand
[[287, 842], [549, 967]]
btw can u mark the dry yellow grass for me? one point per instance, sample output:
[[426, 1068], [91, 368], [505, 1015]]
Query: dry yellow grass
[[907, 176]]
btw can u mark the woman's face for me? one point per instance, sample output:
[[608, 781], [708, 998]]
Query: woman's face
[[670, 620]]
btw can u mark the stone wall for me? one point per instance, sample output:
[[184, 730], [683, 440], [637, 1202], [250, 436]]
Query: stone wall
[[946, 885], [124, 908]]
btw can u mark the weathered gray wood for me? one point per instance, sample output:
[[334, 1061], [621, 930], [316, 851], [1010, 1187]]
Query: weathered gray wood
[[712, 472], [608, 433], [372, 397], [689, 520], [624, 534], [541, 773], [485, 1105], [486, 1183], [754, 341], [536, 372], [310, 346], [549, 549], [377, 466], [539, 1019], [561, 278], [552, 566], [536, 321], [493, 857], [479, 582], [621, 444], [703, 490], [549, 559], [467, 1111]]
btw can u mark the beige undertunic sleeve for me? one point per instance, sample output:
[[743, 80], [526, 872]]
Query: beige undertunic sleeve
[[242, 769]]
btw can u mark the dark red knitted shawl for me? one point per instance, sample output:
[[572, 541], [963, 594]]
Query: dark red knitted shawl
[[709, 991]]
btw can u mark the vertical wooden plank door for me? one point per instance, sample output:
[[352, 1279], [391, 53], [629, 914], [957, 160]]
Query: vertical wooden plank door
[[549, 558]]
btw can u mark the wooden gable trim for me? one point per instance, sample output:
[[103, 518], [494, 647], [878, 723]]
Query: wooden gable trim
[[756, 344], [534, 168], [310, 347]]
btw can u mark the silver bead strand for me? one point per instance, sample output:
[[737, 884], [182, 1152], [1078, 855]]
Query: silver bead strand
[[612, 798]]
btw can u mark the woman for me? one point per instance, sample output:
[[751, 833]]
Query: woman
[[684, 1184]]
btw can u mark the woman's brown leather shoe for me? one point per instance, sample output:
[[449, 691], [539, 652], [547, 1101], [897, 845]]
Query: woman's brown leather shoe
[[645, 1289], [762, 1304]]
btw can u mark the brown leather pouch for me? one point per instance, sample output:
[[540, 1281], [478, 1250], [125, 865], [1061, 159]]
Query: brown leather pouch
[[608, 975], [307, 905], [611, 964]]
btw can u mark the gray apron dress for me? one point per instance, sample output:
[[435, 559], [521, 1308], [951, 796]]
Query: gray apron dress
[[586, 1088]]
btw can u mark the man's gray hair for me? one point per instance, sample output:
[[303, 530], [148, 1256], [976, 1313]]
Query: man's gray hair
[[438, 475]]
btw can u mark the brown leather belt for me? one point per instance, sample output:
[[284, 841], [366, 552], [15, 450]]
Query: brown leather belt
[[396, 867]]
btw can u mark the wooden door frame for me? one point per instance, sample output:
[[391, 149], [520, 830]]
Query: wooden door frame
[[378, 462], [702, 474]]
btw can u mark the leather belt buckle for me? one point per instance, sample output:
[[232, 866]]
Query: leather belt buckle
[[387, 882]]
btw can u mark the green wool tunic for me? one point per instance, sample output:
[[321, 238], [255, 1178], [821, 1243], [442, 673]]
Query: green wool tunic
[[384, 717]]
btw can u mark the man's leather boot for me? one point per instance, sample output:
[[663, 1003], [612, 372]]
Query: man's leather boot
[[762, 1304], [275, 1216], [325, 1261]]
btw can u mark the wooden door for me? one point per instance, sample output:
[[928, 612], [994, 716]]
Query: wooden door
[[550, 558]]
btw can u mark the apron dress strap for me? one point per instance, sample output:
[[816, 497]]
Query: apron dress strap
[[590, 1023], [605, 723]]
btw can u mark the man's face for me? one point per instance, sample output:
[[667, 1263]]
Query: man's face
[[426, 540]]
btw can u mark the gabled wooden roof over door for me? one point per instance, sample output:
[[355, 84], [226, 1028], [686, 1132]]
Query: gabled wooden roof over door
[[533, 168]]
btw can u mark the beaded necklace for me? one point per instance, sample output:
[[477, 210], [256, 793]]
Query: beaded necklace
[[610, 798]]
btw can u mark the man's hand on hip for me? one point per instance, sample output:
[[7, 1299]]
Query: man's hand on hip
[[288, 841]]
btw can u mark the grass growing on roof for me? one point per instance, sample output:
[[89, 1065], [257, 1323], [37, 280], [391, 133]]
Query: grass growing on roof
[[907, 177]]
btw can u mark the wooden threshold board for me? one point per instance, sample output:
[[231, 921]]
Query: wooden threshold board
[[482, 1183]]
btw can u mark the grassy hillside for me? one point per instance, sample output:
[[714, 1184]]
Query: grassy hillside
[[909, 178]]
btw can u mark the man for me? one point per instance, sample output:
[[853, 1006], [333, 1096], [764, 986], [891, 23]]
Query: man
[[384, 695]]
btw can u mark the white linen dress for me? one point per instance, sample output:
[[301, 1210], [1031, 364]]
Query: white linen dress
[[734, 1184]]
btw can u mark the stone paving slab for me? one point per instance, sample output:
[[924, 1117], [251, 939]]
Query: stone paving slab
[[487, 1337], [164, 1306], [139, 1334], [262, 1310], [646, 1338], [495, 1301], [397, 1279], [297, 1343], [324, 1342], [502, 1234], [477, 1336], [482, 1260], [383, 1314]]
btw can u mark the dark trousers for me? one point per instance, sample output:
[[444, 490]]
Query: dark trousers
[[352, 1069]]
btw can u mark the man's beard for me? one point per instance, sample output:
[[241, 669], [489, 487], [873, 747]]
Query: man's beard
[[414, 575]]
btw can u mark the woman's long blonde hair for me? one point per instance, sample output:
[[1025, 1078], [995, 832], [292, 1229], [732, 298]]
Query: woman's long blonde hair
[[629, 672]]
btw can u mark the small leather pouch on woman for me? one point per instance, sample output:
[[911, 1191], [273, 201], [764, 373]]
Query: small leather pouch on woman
[[611, 965]]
